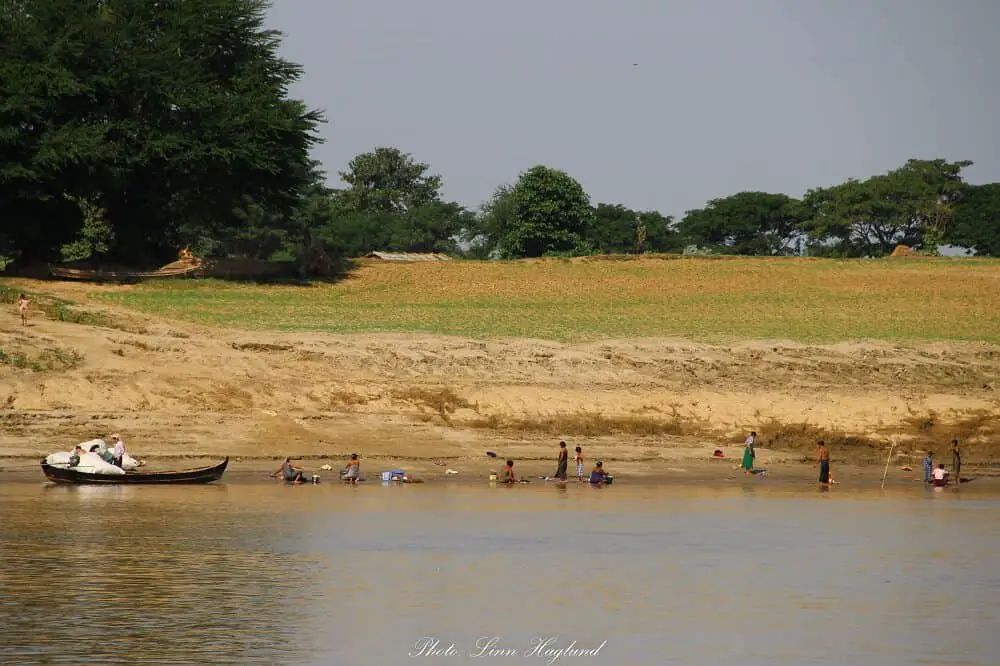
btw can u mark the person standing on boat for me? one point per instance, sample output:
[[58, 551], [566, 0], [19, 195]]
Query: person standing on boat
[[823, 462], [956, 461], [748, 453], [119, 450], [563, 462]]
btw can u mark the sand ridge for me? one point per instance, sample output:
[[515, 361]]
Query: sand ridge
[[182, 389]]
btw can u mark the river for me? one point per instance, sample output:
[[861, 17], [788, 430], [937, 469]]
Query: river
[[267, 574]]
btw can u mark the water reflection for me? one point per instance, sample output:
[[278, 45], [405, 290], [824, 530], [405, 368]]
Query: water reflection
[[270, 574]]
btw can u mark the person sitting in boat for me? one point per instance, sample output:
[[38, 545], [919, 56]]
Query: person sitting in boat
[[940, 476], [597, 475], [289, 472], [352, 470], [74, 458]]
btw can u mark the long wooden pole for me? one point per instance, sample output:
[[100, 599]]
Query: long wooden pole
[[886, 471]]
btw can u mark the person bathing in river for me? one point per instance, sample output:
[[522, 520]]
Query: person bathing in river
[[749, 454], [579, 464], [508, 473], [956, 461], [563, 462], [823, 462], [929, 467], [940, 476], [352, 470], [598, 475], [289, 472]]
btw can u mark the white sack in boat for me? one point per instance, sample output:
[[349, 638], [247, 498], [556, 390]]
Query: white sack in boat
[[94, 464], [58, 459], [129, 463]]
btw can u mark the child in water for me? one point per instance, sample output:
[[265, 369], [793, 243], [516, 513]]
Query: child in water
[[508, 473], [579, 464]]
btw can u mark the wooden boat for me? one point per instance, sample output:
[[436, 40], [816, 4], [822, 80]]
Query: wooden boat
[[92, 275], [72, 476]]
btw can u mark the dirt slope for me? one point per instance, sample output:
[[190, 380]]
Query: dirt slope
[[176, 389]]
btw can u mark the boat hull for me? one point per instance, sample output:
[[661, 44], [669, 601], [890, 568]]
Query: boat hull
[[192, 476]]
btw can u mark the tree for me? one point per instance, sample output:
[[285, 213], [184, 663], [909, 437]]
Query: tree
[[976, 222], [387, 180], [747, 223], [616, 229], [546, 212], [171, 114], [912, 205]]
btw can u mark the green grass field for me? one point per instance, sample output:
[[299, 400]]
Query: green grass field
[[712, 300]]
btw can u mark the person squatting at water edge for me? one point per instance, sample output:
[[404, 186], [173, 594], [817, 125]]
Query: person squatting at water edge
[[508, 473], [352, 470], [289, 472], [597, 475]]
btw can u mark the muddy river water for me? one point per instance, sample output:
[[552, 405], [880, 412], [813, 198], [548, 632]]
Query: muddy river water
[[268, 574]]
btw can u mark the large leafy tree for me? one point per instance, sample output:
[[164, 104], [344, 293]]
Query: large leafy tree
[[912, 205], [976, 220], [388, 180], [545, 212], [393, 203], [164, 117], [747, 223], [617, 229]]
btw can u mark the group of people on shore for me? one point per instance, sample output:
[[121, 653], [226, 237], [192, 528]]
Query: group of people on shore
[[598, 475], [938, 476], [292, 473]]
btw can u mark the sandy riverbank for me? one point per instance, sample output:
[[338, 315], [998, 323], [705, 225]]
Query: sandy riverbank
[[647, 406]]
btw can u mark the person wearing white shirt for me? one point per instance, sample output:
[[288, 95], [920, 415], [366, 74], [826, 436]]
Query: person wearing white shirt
[[119, 454], [940, 476]]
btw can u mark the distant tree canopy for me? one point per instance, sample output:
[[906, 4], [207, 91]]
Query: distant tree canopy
[[129, 130]]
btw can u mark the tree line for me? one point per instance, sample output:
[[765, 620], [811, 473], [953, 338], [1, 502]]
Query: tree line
[[131, 129]]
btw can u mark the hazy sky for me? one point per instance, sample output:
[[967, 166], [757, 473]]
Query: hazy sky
[[728, 95]]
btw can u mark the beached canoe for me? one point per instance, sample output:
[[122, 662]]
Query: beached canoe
[[72, 476]]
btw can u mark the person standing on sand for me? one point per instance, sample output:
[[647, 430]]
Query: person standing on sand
[[22, 308], [748, 453], [956, 461], [561, 473], [928, 466], [823, 462], [579, 464]]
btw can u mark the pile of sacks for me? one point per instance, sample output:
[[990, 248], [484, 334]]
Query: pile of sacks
[[92, 462]]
